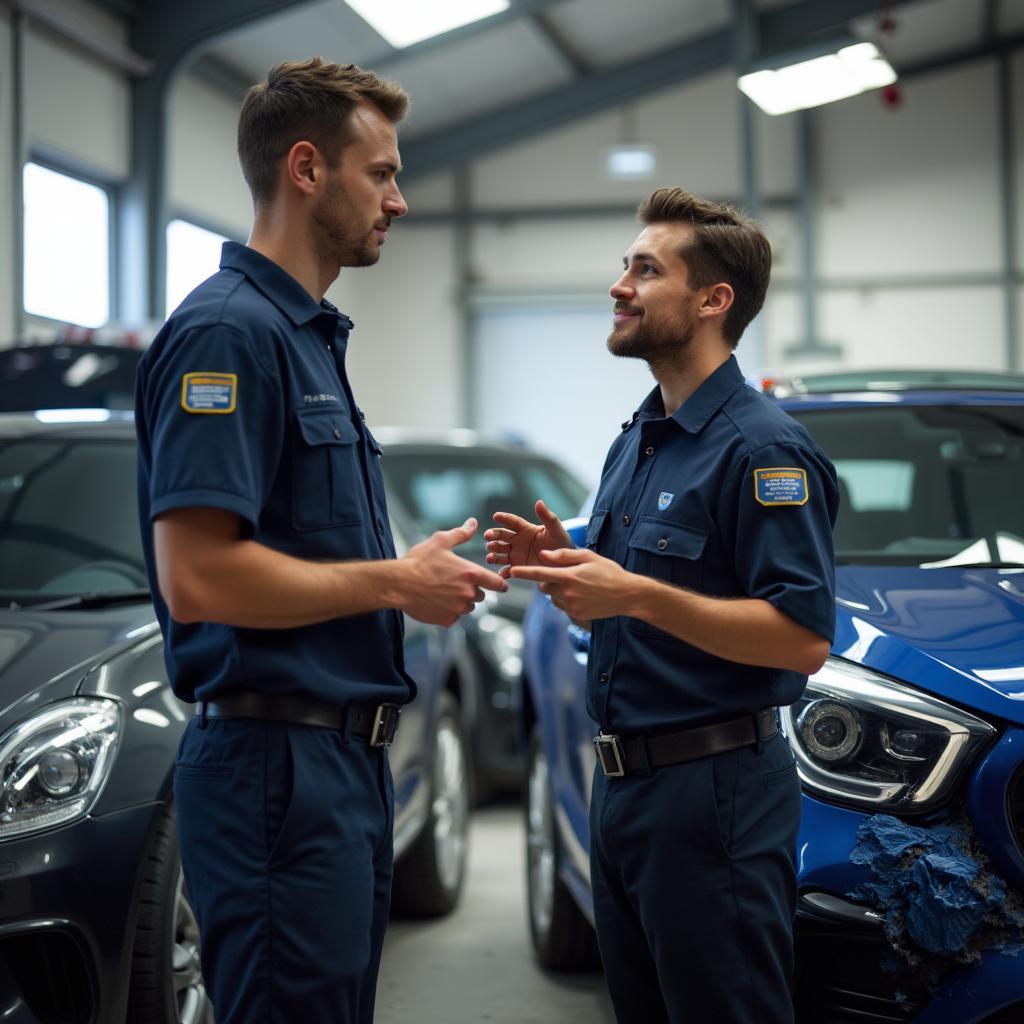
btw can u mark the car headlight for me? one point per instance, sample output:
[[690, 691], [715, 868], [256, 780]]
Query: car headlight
[[862, 738], [53, 765], [501, 640]]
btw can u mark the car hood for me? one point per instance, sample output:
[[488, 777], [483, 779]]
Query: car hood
[[45, 655], [958, 633]]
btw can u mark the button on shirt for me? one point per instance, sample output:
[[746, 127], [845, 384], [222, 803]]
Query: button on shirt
[[729, 497], [243, 404]]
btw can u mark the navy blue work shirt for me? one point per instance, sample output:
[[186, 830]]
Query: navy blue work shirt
[[243, 404], [729, 497]]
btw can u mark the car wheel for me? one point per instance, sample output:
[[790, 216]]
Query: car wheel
[[428, 880], [563, 938], [166, 981]]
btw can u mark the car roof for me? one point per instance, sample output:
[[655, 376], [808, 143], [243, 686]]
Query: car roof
[[896, 380], [425, 440]]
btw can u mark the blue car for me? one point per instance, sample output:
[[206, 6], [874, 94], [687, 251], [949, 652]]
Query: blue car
[[910, 740]]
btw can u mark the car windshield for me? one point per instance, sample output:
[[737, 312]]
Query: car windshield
[[932, 486], [442, 489], [68, 522]]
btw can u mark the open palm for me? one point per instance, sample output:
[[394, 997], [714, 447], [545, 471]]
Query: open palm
[[516, 541]]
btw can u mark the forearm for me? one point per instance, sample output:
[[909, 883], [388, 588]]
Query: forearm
[[746, 630], [249, 585]]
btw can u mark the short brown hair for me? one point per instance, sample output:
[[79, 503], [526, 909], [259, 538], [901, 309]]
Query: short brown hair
[[308, 100], [726, 246]]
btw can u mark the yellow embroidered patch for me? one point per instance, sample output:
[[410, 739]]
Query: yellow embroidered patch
[[781, 485], [209, 392]]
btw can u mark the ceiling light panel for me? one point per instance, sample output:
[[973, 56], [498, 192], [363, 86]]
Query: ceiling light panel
[[404, 22]]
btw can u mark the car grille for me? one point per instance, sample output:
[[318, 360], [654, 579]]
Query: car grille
[[840, 979], [1015, 802], [51, 974]]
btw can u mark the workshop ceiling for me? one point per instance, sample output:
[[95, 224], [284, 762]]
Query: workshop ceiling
[[544, 63]]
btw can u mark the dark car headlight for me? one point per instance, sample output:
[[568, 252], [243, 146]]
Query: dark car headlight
[[54, 764], [860, 737], [501, 640]]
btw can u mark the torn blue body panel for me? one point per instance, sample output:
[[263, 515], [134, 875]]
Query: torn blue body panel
[[942, 904]]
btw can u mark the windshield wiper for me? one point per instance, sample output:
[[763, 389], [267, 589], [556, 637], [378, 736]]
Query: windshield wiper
[[96, 599]]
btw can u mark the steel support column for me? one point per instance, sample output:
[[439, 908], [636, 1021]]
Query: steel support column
[[1008, 202], [807, 190], [745, 51], [18, 170]]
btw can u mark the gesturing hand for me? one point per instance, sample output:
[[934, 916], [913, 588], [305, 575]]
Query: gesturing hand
[[582, 583], [439, 585], [518, 542]]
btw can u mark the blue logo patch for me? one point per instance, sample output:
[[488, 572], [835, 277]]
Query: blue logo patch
[[209, 392], [781, 485], [664, 500]]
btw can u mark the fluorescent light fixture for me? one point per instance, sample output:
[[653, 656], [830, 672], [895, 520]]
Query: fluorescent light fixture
[[404, 22], [73, 415], [630, 163], [854, 69]]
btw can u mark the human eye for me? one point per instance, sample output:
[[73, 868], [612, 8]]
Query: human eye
[[648, 269]]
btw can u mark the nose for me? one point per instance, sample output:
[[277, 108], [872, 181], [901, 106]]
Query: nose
[[621, 290], [394, 204]]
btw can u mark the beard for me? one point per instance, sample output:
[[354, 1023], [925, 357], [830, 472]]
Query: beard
[[340, 236], [655, 341]]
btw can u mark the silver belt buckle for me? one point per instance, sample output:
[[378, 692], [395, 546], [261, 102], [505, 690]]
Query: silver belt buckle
[[609, 753], [385, 725]]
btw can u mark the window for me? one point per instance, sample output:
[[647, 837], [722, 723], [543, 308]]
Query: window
[[193, 254], [67, 248]]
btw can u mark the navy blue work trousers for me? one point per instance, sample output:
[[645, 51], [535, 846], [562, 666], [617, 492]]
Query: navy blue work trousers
[[286, 845], [694, 881]]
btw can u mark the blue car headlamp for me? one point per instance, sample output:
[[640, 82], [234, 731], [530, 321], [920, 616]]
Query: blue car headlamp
[[54, 764], [859, 737]]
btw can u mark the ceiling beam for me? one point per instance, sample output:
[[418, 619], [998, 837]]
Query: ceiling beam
[[557, 42], [785, 27]]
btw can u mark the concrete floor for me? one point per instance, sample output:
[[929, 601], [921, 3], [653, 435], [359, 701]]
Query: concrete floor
[[477, 964]]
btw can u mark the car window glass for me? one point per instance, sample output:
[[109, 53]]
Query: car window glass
[[441, 489], [921, 484], [68, 519]]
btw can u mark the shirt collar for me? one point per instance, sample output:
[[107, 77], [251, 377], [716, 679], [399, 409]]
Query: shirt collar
[[694, 414], [276, 284]]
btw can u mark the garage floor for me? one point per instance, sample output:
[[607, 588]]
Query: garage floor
[[476, 965]]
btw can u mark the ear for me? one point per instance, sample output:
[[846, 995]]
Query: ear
[[303, 167], [717, 300]]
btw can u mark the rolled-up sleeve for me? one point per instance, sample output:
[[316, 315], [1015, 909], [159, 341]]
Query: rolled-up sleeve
[[216, 422], [777, 513]]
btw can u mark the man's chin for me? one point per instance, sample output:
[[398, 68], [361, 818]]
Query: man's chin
[[625, 345]]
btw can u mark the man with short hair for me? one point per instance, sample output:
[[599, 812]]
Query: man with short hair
[[273, 568], [708, 578]]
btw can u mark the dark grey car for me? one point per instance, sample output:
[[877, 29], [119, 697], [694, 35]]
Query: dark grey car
[[94, 922], [438, 480]]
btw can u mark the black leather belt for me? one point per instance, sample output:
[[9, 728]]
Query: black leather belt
[[376, 723], [618, 755]]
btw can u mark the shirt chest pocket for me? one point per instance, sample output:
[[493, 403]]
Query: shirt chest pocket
[[327, 482], [666, 551]]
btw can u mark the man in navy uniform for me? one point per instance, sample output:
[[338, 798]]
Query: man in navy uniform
[[708, 580], [273, 567]]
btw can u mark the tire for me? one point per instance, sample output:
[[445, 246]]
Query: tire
[[166, 981], [429, 878], [563, 939]]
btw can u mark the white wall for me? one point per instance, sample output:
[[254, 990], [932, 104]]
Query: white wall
[[203, 176]]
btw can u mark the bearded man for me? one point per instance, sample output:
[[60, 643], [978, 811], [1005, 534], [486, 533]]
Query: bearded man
[[708, 581]]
